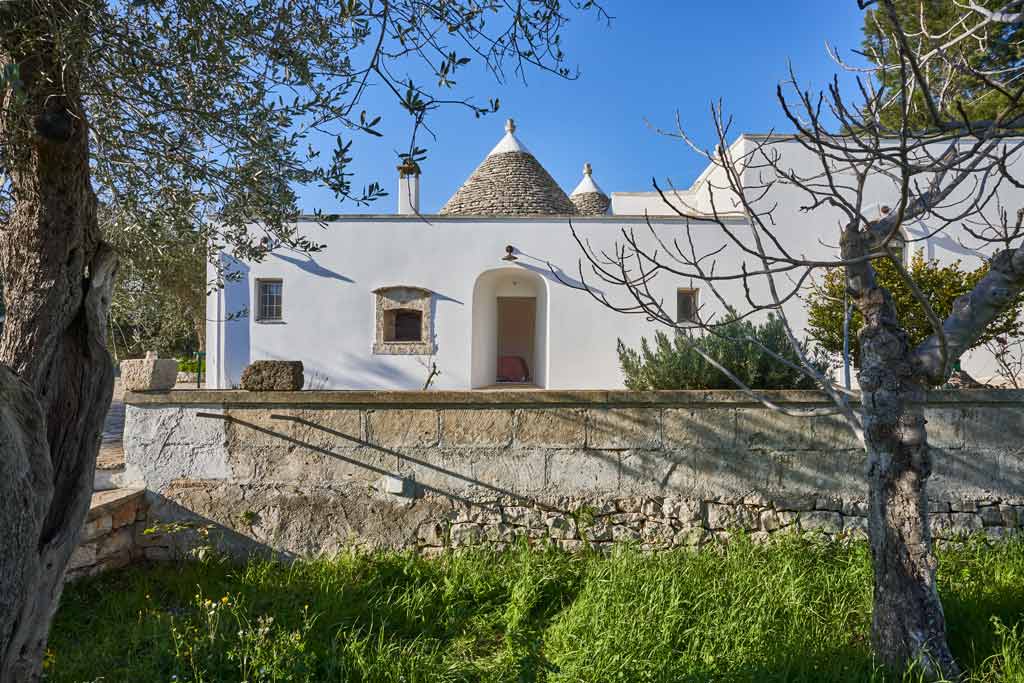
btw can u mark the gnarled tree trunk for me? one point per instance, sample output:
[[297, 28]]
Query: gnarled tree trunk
[[57, 276], [908, 624]]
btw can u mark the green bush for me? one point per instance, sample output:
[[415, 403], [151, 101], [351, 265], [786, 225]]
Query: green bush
[[940, 284], [676, 364], [191, 365]]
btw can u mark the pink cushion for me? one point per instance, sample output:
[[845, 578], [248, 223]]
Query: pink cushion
[[513, 369]]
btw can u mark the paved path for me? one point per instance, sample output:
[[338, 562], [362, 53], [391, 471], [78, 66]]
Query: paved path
[[111, 455]]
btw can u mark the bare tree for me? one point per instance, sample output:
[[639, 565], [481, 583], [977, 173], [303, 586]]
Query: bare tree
[[189, 115], [946, 175]]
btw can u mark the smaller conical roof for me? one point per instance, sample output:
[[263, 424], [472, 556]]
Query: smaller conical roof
[[588, 198], [509, 182]]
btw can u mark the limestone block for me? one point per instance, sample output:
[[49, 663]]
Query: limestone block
[[597, 532], [945, 427], [1010, 514], [964, 523], [551, 428], [570, 545], [561, 526], [624, 534], [690, 537], [273, 375], [501, 533], [124, 514], [990, 515], [652, 508], [149, 373], [402, 428], [770, 520], [704, 428], [766, 430], [623, 428], [582, 473], [832, 432], [730, 517], [97, 527], [522, 516], [686, 511], [83, 556], [514, 472], [820, 520], [466, 534], [469, 427], [431, 533], [993, 426], [327, 428], [855, 525], [120, 540], [157, 554], [859, 508]]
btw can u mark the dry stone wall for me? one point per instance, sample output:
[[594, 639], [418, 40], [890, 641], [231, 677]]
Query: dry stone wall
[[314, 472], [112, 536]]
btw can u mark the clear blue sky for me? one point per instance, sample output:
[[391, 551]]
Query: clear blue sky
[[657, 57]]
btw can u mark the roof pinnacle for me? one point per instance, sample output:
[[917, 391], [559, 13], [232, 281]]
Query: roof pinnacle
[[510, 126], [587, 170]]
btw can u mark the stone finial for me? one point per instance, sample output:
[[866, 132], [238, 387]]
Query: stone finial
[[510, 126], [587, 170]]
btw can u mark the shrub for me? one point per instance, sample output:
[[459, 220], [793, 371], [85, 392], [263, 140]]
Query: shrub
[[191, 365], [676, 364], [940, 284]]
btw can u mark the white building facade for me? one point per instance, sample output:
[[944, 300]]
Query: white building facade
[[485, 291]]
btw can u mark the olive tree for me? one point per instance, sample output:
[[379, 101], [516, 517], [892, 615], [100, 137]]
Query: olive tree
[[908, 138], [193, 115]]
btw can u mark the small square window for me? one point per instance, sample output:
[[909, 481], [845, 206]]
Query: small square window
[[268, 300], [686, 305], [402, 325]]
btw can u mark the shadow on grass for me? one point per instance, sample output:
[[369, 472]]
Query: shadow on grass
[[793, 611]]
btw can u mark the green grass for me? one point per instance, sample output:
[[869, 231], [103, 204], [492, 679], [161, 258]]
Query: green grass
[[795, 610]]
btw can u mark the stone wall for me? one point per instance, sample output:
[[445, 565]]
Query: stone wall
[[311, 472], [112, 535]]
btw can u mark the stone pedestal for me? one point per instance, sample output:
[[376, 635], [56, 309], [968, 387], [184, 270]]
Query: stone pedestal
[[149, 373]]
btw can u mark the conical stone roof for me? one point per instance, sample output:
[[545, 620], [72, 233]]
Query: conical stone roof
[[589, 199], [509, 182]]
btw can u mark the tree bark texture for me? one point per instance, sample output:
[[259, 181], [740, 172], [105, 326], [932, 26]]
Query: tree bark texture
[[58, 277], [908, 626]]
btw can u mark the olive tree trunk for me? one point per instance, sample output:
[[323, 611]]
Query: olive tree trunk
[[57, 275]]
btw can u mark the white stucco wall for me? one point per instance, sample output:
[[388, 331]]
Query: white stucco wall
[[329, 301]]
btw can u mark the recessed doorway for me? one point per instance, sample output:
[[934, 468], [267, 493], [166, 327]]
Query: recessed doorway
[[517, 323], [510, 330]]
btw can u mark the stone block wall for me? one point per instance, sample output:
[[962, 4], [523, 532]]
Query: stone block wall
[[110, 537], [313, 472]]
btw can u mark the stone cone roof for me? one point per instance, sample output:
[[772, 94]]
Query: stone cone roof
[[509, 182], [589, 199]]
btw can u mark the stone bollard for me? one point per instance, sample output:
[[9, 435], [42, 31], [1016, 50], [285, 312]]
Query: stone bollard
[[273, 375], [149, 373]]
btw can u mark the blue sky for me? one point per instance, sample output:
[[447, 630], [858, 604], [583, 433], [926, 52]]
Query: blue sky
[[656, 58]]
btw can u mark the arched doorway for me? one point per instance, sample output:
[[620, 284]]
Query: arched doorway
[[510, 329]]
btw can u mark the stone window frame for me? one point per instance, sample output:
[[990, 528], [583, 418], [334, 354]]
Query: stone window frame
[[408, 298]]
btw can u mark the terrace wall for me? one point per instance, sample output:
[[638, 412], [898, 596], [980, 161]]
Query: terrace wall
[[310, 472]]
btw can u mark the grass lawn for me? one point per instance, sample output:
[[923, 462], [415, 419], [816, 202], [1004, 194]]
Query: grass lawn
[[794, 610]]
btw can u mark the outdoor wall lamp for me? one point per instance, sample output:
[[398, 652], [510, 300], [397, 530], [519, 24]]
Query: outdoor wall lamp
[[509, 255]]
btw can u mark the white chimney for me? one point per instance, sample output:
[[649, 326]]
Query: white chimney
[[409, 188]]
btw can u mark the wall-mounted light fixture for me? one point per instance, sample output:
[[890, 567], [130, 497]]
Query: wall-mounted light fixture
[[509, 253]]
